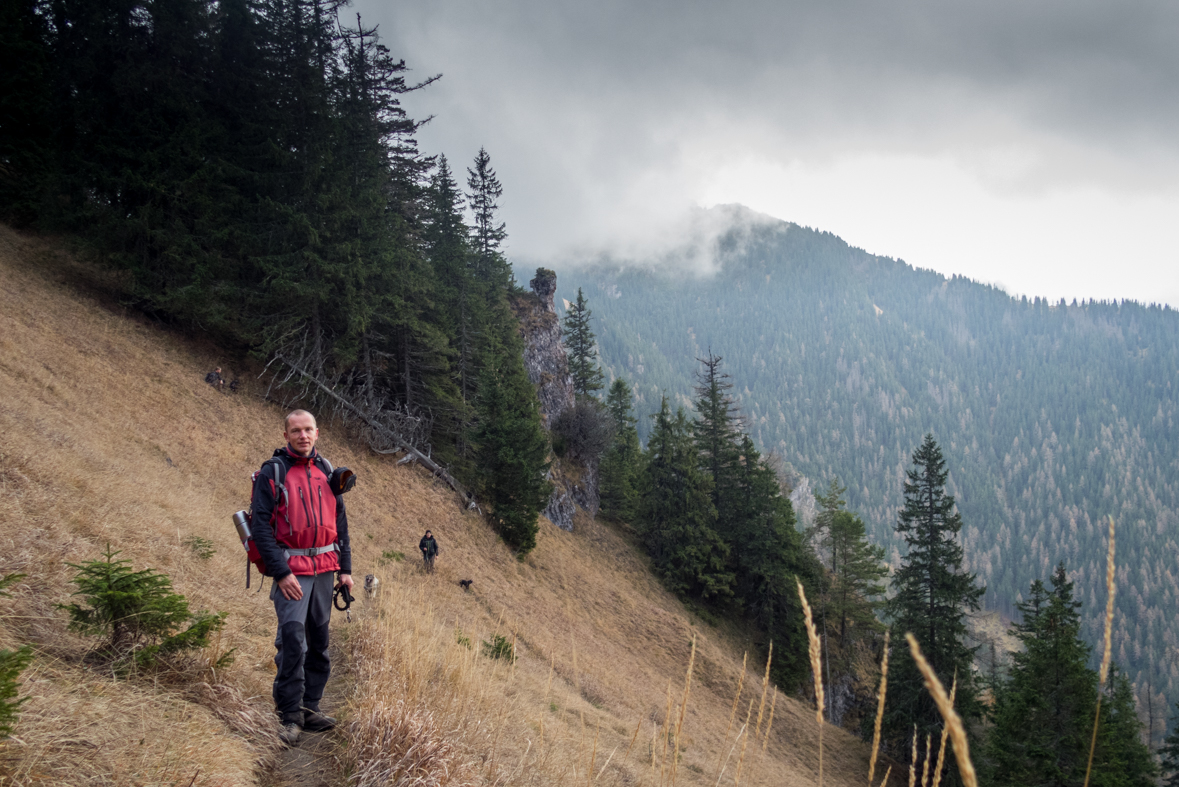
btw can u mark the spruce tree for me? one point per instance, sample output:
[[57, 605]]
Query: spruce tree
[[487, 235], [676, 518], [769, 556], [828, 504], [619, 469], [1169, 753], [303, 270], [25, 124], [462, 304], [1121, 758], [718, 438], [578, 339], [512, 447], [1043, 713], [931, 597], [857, 568]]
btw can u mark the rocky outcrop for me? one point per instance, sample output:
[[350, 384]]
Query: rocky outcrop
[[561, 507], [544, 355], [548, 369]]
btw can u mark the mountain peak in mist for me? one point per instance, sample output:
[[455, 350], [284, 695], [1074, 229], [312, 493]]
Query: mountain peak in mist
[[694, 242]]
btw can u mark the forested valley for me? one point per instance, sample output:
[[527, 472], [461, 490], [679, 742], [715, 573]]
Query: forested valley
[[1052, 416], [806, 419]]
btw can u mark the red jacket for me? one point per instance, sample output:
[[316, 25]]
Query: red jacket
[[305, 513]]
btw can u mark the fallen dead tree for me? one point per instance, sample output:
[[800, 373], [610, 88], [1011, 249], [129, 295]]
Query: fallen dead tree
[[386, 430]]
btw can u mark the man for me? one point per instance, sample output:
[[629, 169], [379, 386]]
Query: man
[[301, 531], [215, 379], [429, 549]]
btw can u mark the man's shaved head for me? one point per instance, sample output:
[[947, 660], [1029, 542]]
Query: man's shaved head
[[286, 422]]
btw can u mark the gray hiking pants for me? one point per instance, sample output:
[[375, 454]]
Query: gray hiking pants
[[302, 643]]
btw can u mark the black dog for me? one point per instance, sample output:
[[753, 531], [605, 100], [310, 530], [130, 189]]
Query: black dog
[[466, 583]]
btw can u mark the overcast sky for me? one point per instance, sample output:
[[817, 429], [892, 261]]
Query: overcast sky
[[1028, 143]]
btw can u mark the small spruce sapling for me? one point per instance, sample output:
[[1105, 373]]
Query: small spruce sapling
[[499, 648], [137, 613]]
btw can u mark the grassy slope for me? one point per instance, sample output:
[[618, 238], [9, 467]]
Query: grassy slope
[[109, 434]]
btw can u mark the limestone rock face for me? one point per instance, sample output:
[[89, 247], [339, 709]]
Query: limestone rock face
[[548, 369], [544, 355], [561, 507]]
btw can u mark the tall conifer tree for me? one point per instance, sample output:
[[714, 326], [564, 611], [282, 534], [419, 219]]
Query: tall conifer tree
[[619, 469], [487, 234], [931, 598], [857, 568], [1121, 758], [26, 87], [718, 438], [676, 518], [1043, 713], [1169, 753], [769, 556], [462, 300], [579, 345], [512, 447]]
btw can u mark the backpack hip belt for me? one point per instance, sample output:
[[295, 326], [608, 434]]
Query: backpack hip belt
[[309, 552]]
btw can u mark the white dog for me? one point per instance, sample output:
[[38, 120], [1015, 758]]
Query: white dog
[[371, 584]]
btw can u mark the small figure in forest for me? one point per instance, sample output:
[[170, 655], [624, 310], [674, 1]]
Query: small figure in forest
[[429, 549]]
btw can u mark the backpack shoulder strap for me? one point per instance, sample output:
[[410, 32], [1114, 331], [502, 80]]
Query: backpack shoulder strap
[[325, 465], [278, 470], [278, 474]]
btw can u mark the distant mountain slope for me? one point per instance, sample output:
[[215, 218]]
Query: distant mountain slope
[[1051, 416]]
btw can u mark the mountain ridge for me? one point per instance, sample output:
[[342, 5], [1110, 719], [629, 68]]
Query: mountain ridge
[[1052, 415]]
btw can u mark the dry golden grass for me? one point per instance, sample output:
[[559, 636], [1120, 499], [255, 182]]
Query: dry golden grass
[[950, 716], [813, 650], [941, 750], [110, 434], [925, 761], [913, 760], [879, 711]]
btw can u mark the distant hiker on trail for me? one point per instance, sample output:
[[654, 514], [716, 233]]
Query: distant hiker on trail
[[429, 549], [215, 379], [301, 530]]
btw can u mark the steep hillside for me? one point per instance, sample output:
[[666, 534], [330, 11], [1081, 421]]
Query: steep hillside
[[1051, 415], [110, 436]]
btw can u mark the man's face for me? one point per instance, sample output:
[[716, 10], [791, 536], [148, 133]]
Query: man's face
[[301, 434]]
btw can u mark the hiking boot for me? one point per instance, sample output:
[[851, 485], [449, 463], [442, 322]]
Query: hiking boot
[[314, 721], [292, 728]]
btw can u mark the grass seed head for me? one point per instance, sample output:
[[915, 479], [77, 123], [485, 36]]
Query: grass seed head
[[946, 707], [941, 752], [816, 667], [879, 711], [1111, 591]]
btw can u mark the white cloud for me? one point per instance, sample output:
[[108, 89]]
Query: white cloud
[[1030, 144], [1075, 242]]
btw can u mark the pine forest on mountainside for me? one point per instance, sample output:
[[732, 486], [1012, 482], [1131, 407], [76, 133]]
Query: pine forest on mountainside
[[1051, 416], [250, 171]]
